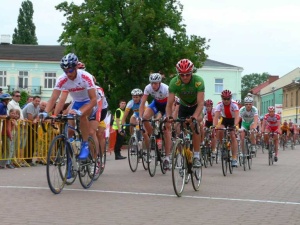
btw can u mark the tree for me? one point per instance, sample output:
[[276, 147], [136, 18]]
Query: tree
[[25, 33], [122, 41], [252, 80]]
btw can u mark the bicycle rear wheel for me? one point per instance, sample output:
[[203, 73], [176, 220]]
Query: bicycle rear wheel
[[144, 153], [250, 156], [133, 157], [179, 169], [152, 156], [103, 159], [197, 177], [57, 164], [87, 168], [161, 155]]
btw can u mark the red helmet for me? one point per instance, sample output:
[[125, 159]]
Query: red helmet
[[226, 94], [184, 66], [209, 102], [80, 65], [271, 108]]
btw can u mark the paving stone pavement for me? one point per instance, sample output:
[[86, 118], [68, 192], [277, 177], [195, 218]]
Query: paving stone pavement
[[264, 195]]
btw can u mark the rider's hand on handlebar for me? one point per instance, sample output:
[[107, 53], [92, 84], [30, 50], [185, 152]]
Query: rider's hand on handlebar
[[43, 115], [76, 112]]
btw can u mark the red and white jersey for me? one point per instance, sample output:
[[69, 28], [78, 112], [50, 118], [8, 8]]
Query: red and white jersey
[[161, 95], [227, 111], [78, 88], [209, 115], [272, 121]]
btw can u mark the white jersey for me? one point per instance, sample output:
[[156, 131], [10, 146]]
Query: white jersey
[[101, 95], [227, 111], [77, 88], [161, 95]]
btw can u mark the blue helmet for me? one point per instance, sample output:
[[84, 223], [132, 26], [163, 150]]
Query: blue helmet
[[5, 96], [69, 61]]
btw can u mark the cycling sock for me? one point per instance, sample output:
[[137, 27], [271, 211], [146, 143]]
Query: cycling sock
[[196, 155]]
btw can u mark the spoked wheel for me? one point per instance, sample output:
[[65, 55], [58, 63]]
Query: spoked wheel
[[271, 159], [57, 164], [133, 157], [144, 153], [98, 167], [210, 156], [245, 155], [204, 156], [224, 160], [161, 156], [197, 177], [152, 157], [179, 169], [87, 168], [230, 163], [249, 157], [103, 160]]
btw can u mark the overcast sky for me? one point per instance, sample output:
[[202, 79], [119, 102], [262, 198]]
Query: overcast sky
[[258, 35]]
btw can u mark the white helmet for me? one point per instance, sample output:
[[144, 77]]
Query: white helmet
[[136, 91], [155, 77], [248, 99]]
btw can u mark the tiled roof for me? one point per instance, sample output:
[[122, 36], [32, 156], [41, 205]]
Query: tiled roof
[[213, 63], [31, 52]]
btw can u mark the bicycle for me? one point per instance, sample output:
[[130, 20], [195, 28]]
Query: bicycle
[[225, 144], [182, 159], [62, 157], [206, 151], [136, 148], [247, 155], [271, 149], [155, 154]]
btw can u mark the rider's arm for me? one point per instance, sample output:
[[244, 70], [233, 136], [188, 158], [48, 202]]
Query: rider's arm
[[142, 105], [52, 100], [59, 106], [216, 118], [170, 102], [127, 110], [236, 117], [255, 121]]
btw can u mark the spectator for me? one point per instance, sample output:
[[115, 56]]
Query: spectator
[[118, 128], [43, 105], [29, 99], [30, 113], [1, 91]]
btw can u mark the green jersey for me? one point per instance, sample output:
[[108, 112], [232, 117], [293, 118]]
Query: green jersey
[[187, 92]]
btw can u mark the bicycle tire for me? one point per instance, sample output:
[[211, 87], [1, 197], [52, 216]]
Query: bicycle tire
[[57, 160], [133, 154], [210, 156], [245, 154], [179, 169], [204, 156], [98, 167], [249, 157], [224, 161], [103, 159], [161, 155], [87, 168], [144, 153], [152, 157], [197, 177]]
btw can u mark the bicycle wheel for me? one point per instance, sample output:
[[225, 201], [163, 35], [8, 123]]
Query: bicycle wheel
[[210, 156], [245, 155], [218, 154], [224, 160], [57, 164], [144, 153], [197, 177], [152, 156], [103, 159], [98, 167], [270, 154], [133, 158], [179, 169], [161, 154], [204, 156], [249, 156], [87, 168]]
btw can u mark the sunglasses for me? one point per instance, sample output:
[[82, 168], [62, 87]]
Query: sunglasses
[[185, 75], [226, 99], [17, 95], [70, 70], [248, 104]]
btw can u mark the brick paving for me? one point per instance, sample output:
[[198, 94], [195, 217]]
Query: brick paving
[[264, 195]]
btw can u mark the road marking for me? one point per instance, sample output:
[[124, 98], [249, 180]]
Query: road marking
[[155, 194]]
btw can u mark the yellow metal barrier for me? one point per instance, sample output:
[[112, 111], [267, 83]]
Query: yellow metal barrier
[[24, 143]]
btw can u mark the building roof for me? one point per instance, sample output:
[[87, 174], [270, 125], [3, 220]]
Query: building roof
[[213, 63], [31, 52], [270, 80]]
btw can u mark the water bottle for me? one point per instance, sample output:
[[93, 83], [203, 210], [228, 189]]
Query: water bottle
[[73, 144], [78, 146]]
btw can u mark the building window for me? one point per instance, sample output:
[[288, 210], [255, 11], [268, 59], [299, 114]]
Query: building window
[[218, 85], [2, 78], [23, 79], [50, 80]]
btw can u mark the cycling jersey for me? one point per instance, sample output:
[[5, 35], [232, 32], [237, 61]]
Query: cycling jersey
[[160, 96], [248, 116], [227, 111], [134, 107], [271, 122], [209, 116], [187, 92]]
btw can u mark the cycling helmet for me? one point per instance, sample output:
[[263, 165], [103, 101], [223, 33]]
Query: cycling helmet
[[81, 66], [69, 61], [271, 108], [209, 102], [226, 94], [5, 96], [136, 91], [261, 118], [248, 99], [155, 77], [184, 66]]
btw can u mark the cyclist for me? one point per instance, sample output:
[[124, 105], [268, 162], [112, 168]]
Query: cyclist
[[209, 113], [292, 131], [228, 110], [134, 105], [249, 115], [285, 131], [81, 87], [159, 91], [190, 89], [271, 123], [240, 105]]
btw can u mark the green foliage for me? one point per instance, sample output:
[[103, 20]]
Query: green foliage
[[123, 41], [252, 80], [25, 33], [24, 96]]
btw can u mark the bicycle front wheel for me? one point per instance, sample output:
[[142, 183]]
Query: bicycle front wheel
[[87, 168], [152, 157], [179, 169], [197, 177], [133, 158], [224, 159], [57, 164]]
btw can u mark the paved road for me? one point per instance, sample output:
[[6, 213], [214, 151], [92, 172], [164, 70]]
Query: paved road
[[264, 195]]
